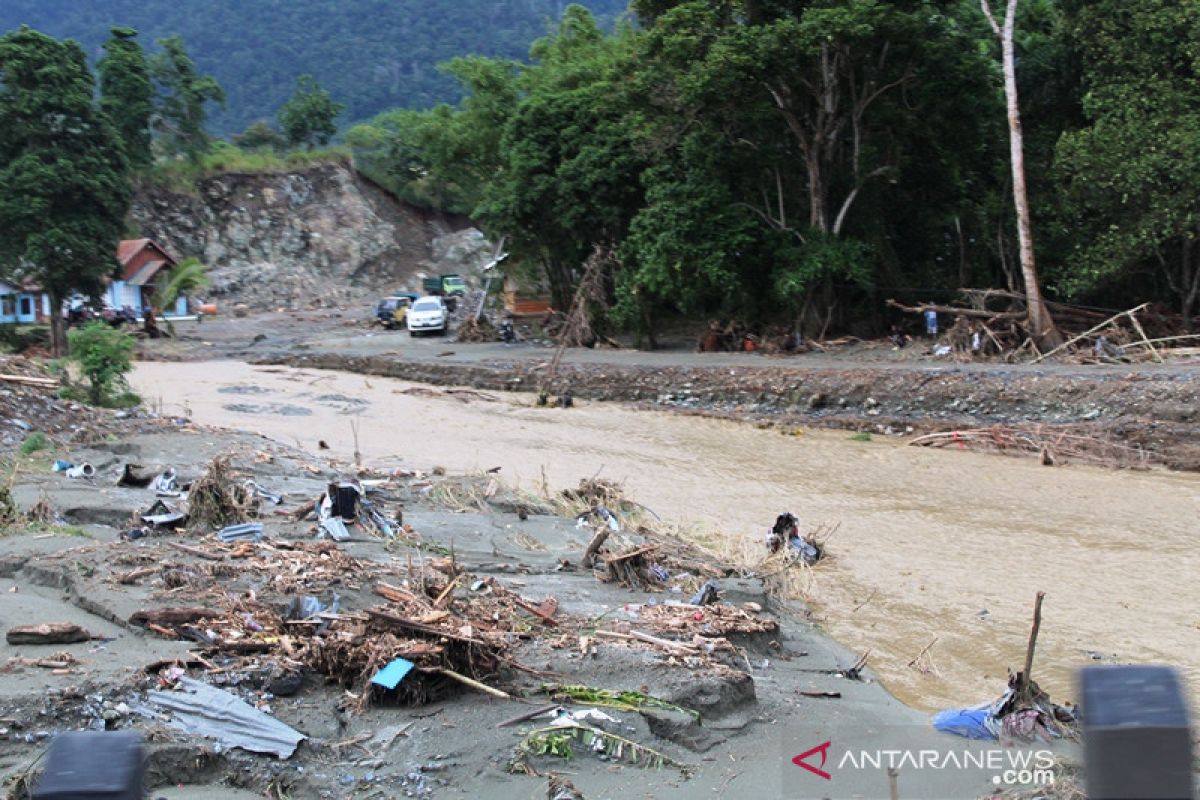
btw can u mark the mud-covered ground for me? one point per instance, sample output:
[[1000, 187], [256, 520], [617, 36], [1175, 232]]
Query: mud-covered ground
[[753, 715], [1152, 407]]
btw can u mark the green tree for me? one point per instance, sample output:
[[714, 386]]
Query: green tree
[[260, 136], [64, 185], [127, 94], [1130, 175], [104, 356], [184, 95], [308, 116]]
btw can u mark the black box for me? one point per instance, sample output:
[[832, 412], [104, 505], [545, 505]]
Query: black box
[[93, 765], [1136, 738]]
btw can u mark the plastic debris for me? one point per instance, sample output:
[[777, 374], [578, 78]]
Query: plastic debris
[[390, 676], [308, 607], [334, 528], [161, 515], [93, 764], [707, 594], [208, 711], [246, 532], [166, 484], [83, 470], [274, 498], [61, 466]]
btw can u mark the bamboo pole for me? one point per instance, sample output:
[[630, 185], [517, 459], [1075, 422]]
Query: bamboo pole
[[1145, 340], [1088, 332], [474, 684]]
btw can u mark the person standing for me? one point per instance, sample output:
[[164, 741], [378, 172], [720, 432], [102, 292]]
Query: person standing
[[931, 322]]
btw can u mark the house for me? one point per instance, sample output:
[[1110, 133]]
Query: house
[[520, 302], [25, 304], [143, 263]]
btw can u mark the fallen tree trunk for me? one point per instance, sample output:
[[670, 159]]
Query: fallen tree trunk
[[48, 633]]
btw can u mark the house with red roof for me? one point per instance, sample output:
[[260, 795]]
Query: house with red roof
[[143, 263]]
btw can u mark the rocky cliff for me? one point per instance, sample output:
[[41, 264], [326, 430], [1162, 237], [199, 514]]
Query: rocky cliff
[[316, 237]]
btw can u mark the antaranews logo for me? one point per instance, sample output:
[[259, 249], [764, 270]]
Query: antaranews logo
[[802, 760], [1002, 765]]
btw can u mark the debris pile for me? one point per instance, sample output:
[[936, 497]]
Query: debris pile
[[472, 330], [217, 498]]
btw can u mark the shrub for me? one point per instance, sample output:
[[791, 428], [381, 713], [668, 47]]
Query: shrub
[[34, 442], [104, 357]]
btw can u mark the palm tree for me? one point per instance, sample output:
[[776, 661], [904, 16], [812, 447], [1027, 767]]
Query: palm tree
[[187, 277]]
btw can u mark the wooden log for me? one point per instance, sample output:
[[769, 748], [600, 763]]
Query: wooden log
[[528, 715], [136, 574], [666, 644], [198, 552], [172, 616], [537, 612], [1145, 339], [589, 555], [972, 313], [47, 633], [1088, 333], [397, 594], [445, 593], [474, 684], [29, 380]]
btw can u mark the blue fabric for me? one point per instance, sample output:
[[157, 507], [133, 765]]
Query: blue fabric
[[390, 676], [968, 722]]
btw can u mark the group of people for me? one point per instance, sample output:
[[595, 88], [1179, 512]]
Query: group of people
[[965, 338]]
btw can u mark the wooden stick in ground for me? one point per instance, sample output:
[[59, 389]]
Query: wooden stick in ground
[[589, 555], [893, 783], [441, 598], [1089, 332], [474, 684], [1145, 339], [528, 715], [1033, 634]]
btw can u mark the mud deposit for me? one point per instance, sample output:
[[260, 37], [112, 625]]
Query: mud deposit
[[932, 544]]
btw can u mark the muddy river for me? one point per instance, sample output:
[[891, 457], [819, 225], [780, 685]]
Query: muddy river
[[938, 547]]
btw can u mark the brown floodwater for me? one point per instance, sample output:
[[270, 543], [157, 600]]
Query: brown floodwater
[[932, 544]]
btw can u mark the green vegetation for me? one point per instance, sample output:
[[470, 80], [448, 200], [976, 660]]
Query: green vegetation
[[371, 55], [800, 162], [64, 185], [307, 118], [184, 96], [225, 158], [35, 442], [104, 356], [620, 699], [126, 93]]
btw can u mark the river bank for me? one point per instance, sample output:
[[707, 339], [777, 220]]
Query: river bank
[[932, 544]]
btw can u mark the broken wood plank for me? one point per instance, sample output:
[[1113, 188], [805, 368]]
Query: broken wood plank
[[47, 633], [199, 552], [537, 612], [398, 594], [172, 616], [136, 574], [666, 644], [445, 593], [396, 619], [28, 380]]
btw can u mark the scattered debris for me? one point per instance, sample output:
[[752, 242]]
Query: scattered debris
[[217, 499]]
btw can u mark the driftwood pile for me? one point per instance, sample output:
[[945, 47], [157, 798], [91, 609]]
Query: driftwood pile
[[1053, 444], [998, 317]]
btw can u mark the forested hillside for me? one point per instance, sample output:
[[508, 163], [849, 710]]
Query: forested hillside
[[370, 54]]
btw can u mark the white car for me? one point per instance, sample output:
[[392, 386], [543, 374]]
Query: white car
[[427, 314]]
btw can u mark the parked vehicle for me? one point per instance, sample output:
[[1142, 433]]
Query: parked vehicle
[[427, 314], [392, 311]]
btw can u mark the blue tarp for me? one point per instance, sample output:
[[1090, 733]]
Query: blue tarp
[[390, 676], [973, 723]]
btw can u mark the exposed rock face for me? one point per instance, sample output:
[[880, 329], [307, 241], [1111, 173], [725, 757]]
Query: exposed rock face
[[318, 237]]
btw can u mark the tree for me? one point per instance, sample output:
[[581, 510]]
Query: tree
[[183, 98], [64, 187], [260, 136], [1041, 326], [126, 93], [104, 355], [308, 116], [1129, 175]]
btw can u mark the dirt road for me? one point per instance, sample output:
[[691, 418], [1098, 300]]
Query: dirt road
[[945, 545]]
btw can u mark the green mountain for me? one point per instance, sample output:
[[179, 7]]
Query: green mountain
[[371, 54]]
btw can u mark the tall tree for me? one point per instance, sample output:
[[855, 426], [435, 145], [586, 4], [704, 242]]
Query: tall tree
[[64, 187], [127, 94], [307, 118], [183, 100], [1041, 326], [1129, 175]]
